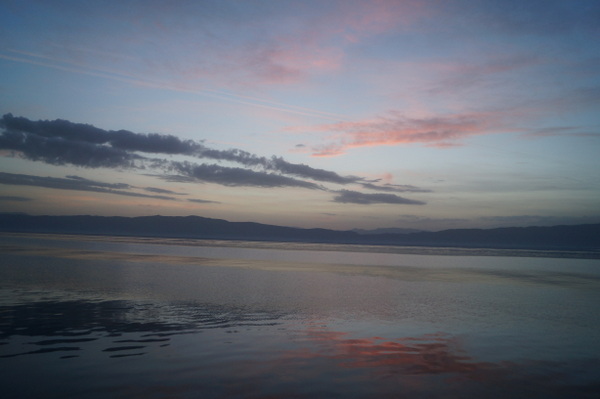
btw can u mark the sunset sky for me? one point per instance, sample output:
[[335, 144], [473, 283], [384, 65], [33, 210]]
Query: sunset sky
[[335, 114]]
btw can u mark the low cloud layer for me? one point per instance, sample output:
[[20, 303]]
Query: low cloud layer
[[201, 201], [74, 183], [15, 198], [60, 142], [355, 197], [60, 151], [398, 188], [84, 133], [161, 191]]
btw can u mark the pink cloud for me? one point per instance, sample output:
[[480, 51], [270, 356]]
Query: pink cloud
[[442, 131], [234, 50], [288, 61], [358, 19], [319, 43], [457, 76], [318, 46]]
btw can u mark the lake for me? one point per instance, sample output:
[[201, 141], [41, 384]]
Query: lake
[[97, 317]]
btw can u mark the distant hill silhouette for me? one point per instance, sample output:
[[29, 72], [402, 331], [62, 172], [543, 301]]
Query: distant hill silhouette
[[387, 230], [580, 237]]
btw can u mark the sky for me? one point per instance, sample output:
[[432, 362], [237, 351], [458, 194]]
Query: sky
[[345, 114]]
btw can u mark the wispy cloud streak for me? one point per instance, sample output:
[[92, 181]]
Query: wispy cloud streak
[[223, 95]]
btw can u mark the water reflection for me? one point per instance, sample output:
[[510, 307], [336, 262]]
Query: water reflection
[[428, 354], [125, 348], [430, 365], [87, 323]]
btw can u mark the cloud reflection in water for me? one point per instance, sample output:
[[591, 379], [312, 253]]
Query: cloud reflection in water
[[218, 351]]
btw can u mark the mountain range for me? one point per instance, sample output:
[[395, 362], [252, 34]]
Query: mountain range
[[584, 237]]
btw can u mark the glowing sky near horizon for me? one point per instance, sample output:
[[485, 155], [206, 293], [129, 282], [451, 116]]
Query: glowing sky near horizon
[[335, 114]]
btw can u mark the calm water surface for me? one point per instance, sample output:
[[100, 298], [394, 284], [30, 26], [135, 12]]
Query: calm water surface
[[122, 318]]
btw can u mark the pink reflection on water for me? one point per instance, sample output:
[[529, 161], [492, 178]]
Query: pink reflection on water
[[428, 354]]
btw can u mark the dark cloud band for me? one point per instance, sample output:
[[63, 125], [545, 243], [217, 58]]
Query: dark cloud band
[[228, 176], [61, 142]]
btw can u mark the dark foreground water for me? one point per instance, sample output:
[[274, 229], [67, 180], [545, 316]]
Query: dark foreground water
[[123, 318]]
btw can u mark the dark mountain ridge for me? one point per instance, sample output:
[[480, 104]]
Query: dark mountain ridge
[[579, 237], [387, 230]]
